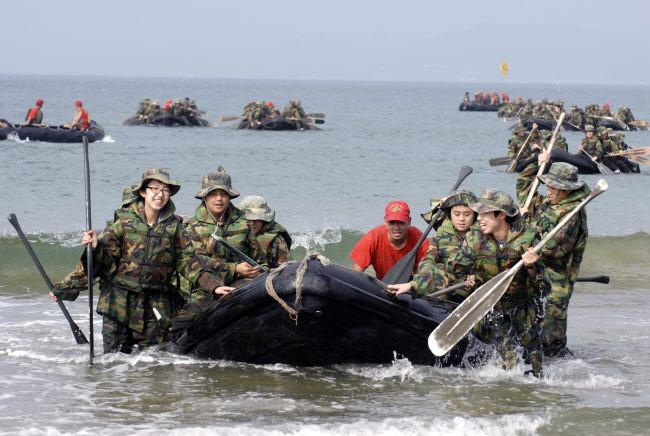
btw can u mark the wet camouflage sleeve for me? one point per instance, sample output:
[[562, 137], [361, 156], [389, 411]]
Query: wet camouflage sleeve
[[431, 274], [279, 252]]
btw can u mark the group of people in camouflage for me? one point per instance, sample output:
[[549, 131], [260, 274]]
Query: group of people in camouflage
[[258, 114], [140, 257], [550, 110], [598, 145], [480, 237], [184, 109]]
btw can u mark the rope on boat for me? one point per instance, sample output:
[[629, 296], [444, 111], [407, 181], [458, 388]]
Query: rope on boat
[[300, 275]]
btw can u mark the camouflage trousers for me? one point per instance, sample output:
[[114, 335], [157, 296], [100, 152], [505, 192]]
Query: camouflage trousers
[[554, 328], [508, 329], [119, 338]]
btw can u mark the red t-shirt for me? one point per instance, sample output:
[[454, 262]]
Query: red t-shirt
[[374, 249]]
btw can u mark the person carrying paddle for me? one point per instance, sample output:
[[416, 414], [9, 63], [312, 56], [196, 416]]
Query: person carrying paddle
[[136, 259], [499, 245], [34, 116], [562, 255], [591, 145], [451, 236], [274, 240], [217, 215], [383, 246]]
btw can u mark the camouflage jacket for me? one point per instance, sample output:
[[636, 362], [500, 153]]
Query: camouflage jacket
[[233, 229], [562, 255], [592, 146], [432, 274], [514, 144], [524, 182], [133, 258], [483, 258], [275, 245]]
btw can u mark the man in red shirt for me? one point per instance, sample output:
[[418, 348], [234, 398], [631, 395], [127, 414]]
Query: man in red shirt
[[81, 119], [383, 246]]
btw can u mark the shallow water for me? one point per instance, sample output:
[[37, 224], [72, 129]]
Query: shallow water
[[381, 141]]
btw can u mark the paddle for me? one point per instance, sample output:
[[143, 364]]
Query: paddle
[[450, 331], [461, 285], [514, 162], [401, 271], [239, 253], [498, 161], [601, 167], [542, 167], [89, 248], [76, 331], [315, 115]]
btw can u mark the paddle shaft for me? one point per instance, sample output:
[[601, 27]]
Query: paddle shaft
[[89, 248], [513, 164], [76, 331], [458, 286], [243, 256], [542, 167], [400, 272], [601, 167]]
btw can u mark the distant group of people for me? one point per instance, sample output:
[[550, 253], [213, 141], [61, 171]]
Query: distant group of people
[[257, 113], [598, 145], [148, 109], [140, 256], [549, 110], [487, 97], [81, 120], [479, 237]]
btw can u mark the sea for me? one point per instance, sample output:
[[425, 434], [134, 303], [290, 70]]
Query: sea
[[381, 141]]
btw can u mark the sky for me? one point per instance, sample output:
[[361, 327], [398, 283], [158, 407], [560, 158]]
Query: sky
[[547, 41]]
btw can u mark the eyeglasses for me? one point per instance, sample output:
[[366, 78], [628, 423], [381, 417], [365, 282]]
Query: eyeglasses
[[166, 192]]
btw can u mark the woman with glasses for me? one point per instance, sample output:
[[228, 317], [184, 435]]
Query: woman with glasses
[[136, 258]]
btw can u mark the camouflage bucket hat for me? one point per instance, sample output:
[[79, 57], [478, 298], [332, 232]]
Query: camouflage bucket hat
[[129, 195], [160, 175], [256, 208], [601, 130], [562, 175], [495, 201], [220, 179], [589, 128], [455, 198]]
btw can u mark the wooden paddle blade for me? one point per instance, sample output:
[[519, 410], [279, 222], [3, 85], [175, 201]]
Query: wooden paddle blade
[[498, 161], [226, 118], [315, 115], [469, 312]]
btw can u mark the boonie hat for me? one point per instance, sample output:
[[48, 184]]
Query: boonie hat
[[562, 175], [492, 200], [220, 179], [455, 198], [589, 128], [256, 208], [397, 210], [160, 175]]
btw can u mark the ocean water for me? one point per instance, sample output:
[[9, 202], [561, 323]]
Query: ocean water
[[381, 141]]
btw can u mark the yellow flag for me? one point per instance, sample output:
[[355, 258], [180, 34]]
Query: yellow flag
[[504, 68]]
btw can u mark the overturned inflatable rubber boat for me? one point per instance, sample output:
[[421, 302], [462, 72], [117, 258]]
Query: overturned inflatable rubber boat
[[314, 313], [168, 120], [94, 133]]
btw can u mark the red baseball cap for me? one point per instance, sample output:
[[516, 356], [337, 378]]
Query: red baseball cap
[[268, 104], [39, 102], [397, 210], [77, 103]]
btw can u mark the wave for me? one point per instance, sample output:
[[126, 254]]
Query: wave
[[626, 259]]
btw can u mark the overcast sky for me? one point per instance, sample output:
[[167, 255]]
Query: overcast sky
[[543, 41]]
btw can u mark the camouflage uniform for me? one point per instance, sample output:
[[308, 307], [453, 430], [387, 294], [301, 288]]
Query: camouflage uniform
[[136, 264], [142, 108], [515, 317], [577, 117], [562, 255], [432, 274], [592, 146], [232, 227], [77, 280], [273, 239], [516, 140]]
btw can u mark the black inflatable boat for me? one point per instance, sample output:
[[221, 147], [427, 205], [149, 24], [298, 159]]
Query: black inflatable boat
[[168, 120], [94, 133], [331, 315], [472, 106], [281, 123]]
